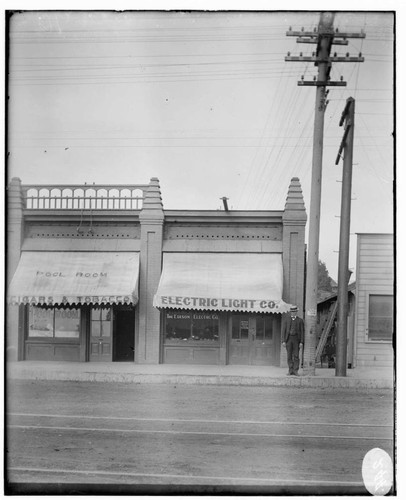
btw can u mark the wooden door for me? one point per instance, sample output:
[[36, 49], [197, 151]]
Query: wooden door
[[264, 345], [254, 339], [242, 332], [100, 335]]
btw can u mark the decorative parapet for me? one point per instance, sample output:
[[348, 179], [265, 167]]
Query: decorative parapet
[[83, 197], [295, 211], [14, 196], [152, 209]]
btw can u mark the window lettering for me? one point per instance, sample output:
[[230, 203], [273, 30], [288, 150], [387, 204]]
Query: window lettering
[[182, 326], [53, 322]]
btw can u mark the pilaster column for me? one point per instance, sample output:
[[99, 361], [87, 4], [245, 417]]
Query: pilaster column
[[152, 222], [294, 224], [15, 236]]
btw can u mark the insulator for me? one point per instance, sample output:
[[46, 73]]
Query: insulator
[[336, 30], [341, 78], [302, 77], [313, 54], [301, 54], [302, 29], [314, 78], [288, 53], [360, 54], [290, 28], [347, 54], [335, 54], [314, 30]]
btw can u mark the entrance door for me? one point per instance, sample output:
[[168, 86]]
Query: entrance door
[[100, 335], [265, 346], [242, 330], [124, 334], [254, 340]]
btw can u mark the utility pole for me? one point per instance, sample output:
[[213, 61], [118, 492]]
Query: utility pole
[[347, 144], [324, 36]]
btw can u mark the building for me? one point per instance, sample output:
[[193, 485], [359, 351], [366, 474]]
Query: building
[[104, 273], [374, 301]]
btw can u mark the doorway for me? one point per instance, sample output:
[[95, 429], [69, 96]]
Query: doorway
[[100, 335], [124, 333], [254, 339]]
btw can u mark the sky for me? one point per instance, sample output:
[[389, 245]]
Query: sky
[[205, 102]]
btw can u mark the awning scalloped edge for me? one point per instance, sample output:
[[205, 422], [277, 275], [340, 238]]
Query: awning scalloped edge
[[238, 310]]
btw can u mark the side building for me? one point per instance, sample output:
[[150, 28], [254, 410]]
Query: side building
[[104, 273], [374, 321]]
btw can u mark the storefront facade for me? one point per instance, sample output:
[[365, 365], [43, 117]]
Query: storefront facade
[[96, 277], [221, 307]]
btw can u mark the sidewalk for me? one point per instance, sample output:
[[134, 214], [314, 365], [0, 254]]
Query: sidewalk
[[363, 378]]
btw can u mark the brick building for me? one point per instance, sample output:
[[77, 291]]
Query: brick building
[[105, 273]]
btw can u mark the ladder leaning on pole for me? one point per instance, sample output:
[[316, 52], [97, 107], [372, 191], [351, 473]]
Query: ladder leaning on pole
[[326, 330]]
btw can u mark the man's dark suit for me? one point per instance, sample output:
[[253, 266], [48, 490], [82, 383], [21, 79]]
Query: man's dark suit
[[293, 334]]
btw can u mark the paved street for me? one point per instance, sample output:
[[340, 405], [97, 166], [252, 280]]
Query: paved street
[[90, 437]]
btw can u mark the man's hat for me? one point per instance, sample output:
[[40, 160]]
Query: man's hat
[[293, 309]]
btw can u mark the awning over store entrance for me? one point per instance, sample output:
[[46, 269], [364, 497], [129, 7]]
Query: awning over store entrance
[[222, 282], [75, 278]]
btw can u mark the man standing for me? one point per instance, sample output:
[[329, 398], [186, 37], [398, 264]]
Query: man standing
[[292, 339]]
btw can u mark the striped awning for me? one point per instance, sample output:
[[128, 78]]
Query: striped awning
[[222, 282], [75, 278]]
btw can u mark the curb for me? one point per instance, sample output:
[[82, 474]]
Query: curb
[[231, 380]]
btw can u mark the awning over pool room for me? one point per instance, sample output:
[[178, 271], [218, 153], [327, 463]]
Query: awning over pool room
[[222, 282], [75, 278]]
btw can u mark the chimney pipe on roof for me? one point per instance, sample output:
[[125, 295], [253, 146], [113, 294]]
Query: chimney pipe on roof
[[225, 203]]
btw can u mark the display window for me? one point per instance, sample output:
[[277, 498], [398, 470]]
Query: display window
[[190, 326], [57, 323]]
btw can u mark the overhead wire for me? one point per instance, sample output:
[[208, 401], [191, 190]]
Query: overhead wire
[[273, 160], [258, 171], [252, 171], [255, 170]]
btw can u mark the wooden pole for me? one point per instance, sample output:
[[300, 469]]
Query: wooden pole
[[345, 221], [326, 31]]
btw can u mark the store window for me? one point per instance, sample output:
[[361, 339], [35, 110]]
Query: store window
[[53, 323], [189, 326], [380, 317]]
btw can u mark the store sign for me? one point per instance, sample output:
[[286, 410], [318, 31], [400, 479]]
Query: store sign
[[218, 303], [205, 317], [195, 317], [70, 299], [78, 274]]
